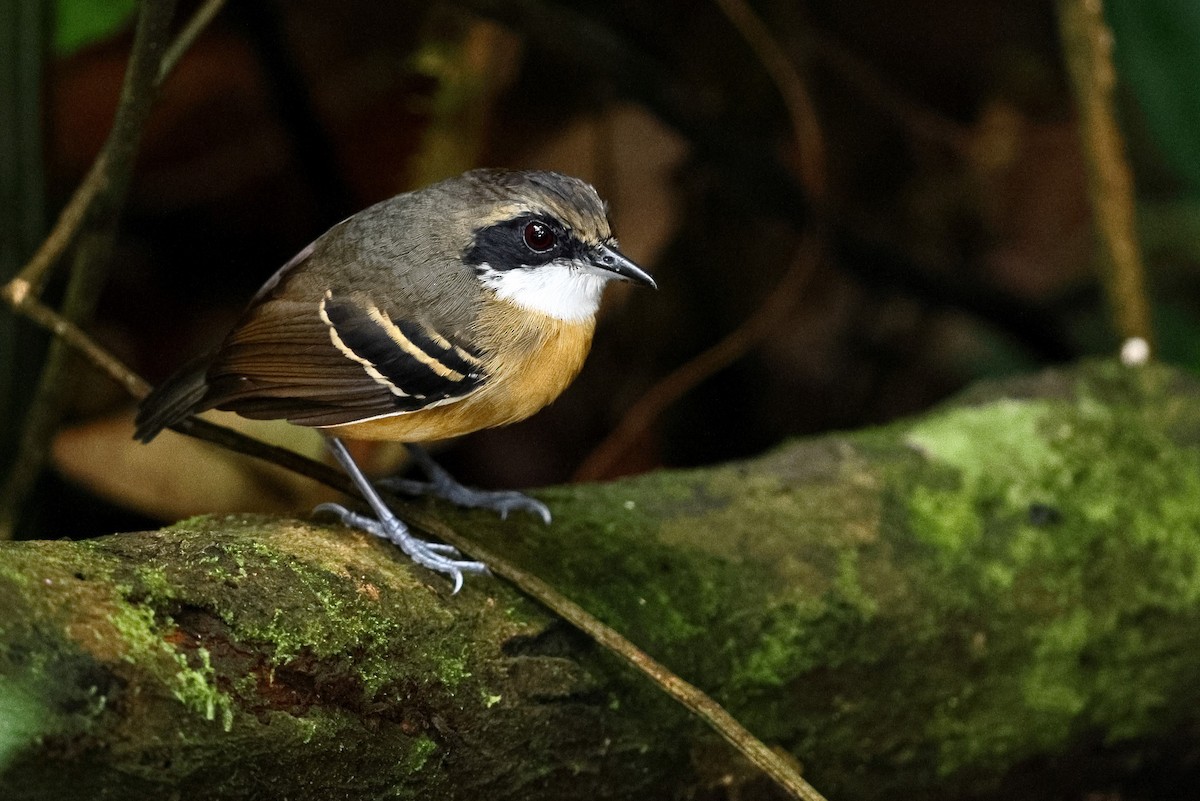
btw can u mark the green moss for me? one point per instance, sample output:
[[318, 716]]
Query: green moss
[[946, 519], [849, 587], [1052, 684], [453, 670], [351, 641], [665, 597], [152, 584], [926, 603], [993, 445], [788, 646], [1019, 501], [23, 718], [194, 687], [422, 749]]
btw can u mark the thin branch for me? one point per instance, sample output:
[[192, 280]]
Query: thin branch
[[115, 155], [187, 37], [780, 301], [1088, 43], [44, 412], [810, 142], [238, 442], [28, 282], [99, 218], [76, 338], [775, 309], [691, 697], [95, 202]]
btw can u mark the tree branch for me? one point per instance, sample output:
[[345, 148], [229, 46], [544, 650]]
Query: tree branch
[[949, 608]]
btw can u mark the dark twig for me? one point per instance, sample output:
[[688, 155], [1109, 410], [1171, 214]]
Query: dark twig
[[50, 396], [697, 701], [115, 160], [780, 300], [79, 341], [1088, 43], [28, 283], [109, 179], [187, 37], [95, 203]]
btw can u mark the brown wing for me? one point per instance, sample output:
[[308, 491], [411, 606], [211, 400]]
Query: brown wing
[[337, 360], [318, 348]]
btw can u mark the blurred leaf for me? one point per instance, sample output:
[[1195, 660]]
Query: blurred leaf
[[472, 61], [1178, 332], [1158, 57], [79, 23], [176, 476], [1170, 229]]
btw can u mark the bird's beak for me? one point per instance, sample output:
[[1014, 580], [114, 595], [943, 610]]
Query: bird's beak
[[610, 259]]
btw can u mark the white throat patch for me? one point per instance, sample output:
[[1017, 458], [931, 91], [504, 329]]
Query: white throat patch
[[561, 289]]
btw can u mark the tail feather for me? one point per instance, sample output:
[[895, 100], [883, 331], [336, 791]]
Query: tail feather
[[174, 400]]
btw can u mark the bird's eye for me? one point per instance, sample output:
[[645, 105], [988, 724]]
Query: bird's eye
[[538, 237]]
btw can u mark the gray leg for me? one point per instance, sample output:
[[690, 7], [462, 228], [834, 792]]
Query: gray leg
[[385, 525], [443, 485]]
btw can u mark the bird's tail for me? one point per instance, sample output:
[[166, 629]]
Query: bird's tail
[[177, 398]]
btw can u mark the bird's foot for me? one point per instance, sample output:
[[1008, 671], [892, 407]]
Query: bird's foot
[[436, 556], [502, 501], [443, 485]]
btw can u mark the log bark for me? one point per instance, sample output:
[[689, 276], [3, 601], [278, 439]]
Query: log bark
[[998, 599]]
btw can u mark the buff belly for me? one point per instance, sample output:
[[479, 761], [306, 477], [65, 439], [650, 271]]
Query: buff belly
[[540, 357]]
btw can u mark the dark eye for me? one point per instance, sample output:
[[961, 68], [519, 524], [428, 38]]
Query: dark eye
[[538, 237]]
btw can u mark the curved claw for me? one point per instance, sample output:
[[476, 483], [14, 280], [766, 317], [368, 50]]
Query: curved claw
[[506, 501], [436, 556]]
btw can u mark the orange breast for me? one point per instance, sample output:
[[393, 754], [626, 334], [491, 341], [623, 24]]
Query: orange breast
[[530, 359]]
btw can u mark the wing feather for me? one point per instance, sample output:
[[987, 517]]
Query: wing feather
[[338, 360]]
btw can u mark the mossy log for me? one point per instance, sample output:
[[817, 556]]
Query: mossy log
[[999, 599]]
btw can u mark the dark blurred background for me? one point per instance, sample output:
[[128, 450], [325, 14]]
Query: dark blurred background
[[952, 238]]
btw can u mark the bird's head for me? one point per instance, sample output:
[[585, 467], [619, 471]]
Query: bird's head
[[542, 241]]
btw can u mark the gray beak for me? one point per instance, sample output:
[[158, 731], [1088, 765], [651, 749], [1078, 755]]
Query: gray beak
[[605, 258]]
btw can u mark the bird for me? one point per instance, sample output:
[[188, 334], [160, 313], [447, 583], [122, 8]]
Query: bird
[[467, 304]]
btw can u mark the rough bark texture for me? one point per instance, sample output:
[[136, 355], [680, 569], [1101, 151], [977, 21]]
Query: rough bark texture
[[999, 599]]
